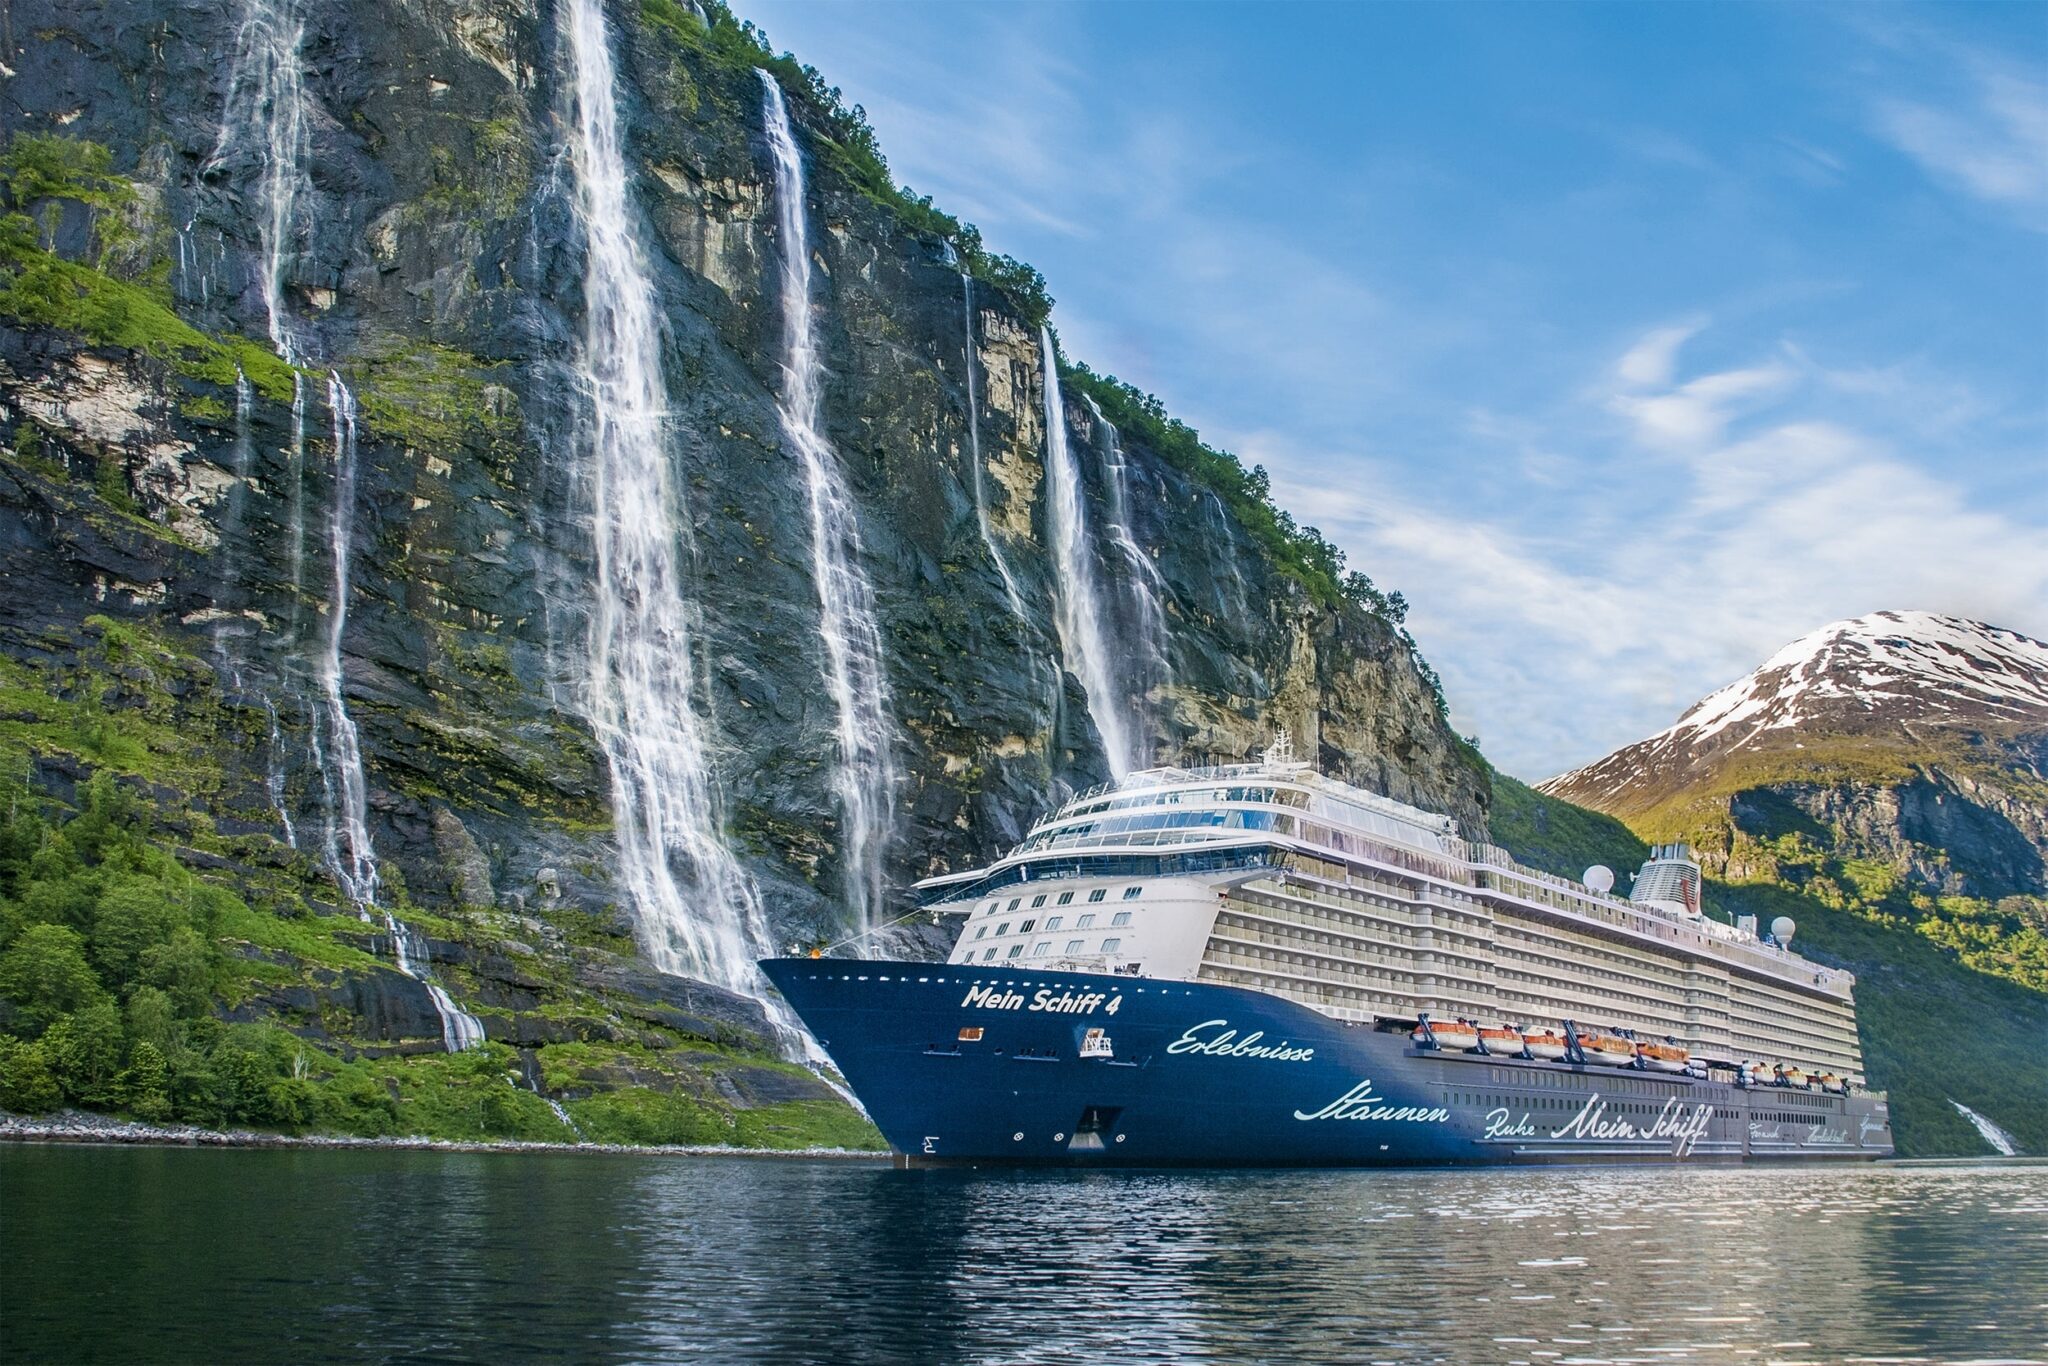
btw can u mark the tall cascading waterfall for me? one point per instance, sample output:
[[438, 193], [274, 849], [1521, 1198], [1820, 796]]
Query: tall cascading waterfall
[[988, 538], [1144, 586], [697, 911], [266, 137], [268, 121], [346, 837], [866, 777], [1084, 640]]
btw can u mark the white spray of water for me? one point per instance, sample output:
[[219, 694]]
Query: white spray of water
[[346, 837], [265, 139], [697, 911], [268, 119], [1081, 619], [1144, 586], [866, 777], [563, 1115], [1998, 1138], [988, 538]]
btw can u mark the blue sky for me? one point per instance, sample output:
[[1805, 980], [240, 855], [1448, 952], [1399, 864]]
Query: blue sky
[[1629, 341]]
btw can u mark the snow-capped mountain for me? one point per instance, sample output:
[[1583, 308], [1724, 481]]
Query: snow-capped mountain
[[1889, 680]]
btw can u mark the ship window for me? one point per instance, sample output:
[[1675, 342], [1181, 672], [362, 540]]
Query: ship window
[[1002, 929], [1066, 898], [1052, 922], [1098, 894], [1084, 922], [1016, 949], [989, 957], [1120, 918], [1013, 902], [1036, 902], [1111, 945], [981, 933], [1130, 892], [989, 909], [1074, 945], [1025, 928], [1041, 948]]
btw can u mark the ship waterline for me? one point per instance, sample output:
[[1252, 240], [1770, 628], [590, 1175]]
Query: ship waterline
[[1256, 964]]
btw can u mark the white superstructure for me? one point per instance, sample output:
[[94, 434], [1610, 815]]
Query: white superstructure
[[1273, 877]]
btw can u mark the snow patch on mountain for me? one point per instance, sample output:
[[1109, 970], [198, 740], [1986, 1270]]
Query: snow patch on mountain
[[1888, 668]]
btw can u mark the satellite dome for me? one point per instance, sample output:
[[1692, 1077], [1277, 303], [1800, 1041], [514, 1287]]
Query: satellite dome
[[1782, 929], [1599, 877]]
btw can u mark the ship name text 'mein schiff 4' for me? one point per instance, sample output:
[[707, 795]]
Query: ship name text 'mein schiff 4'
[[1259, 965]]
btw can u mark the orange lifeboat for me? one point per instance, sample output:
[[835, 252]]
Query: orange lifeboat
[[1611, 1050], [1664, 1057], [1507, 1041], [1791, 1076], [1452, 1035], [1546, 1044]]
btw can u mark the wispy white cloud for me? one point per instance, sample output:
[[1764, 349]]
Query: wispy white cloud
[[1989, 139], [1734, 543]]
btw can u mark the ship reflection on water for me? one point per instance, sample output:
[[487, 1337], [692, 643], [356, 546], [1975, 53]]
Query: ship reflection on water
[[465, 1256]]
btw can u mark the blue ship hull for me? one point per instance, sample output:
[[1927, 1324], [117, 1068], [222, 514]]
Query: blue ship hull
[[959, 1065]]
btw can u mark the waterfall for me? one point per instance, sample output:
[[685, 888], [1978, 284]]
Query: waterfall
[[268, 121], [355, 865], [988, 538], [1144, 587], [1081, 619], [1997, 1137], [346, 837], [866, 777], [266, 137], [696, 909], [268, 118]]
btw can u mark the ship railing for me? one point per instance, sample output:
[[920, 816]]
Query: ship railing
[[1626, 915]]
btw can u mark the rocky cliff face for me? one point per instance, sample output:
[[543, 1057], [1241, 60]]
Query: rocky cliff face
[[374, 207]]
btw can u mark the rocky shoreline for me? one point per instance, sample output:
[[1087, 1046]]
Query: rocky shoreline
[[76, 1126]]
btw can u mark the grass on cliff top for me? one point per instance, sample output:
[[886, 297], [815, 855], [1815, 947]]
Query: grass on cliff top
[[1933, 1028]]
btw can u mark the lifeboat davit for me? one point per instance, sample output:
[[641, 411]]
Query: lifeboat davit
[[1546, 1044], [1609, 1049], [1504, 1041], [1664, 1057], [1791, 1076], [1453, 1035]]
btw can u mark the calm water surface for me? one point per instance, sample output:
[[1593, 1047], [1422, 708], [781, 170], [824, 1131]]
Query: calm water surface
[[166, 1255]]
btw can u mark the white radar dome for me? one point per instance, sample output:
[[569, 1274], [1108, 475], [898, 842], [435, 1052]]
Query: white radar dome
[[1600, 878], [1783, 928]]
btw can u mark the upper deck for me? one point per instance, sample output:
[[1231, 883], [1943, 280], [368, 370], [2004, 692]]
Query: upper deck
[[1216, 819]]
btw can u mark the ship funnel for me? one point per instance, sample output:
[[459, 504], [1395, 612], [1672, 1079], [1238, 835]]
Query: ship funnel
[[1669, 880]]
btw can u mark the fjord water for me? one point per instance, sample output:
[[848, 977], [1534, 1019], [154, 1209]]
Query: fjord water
[[170, 1255]]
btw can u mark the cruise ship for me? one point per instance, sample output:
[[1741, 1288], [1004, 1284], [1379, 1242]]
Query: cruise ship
[[1258, 965]]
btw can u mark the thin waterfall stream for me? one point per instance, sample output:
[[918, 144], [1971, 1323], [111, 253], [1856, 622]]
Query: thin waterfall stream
[[1992, 1133], [265, 137], [346, 837], [866, 778], [1082, 622], [988, 538], [1144, 586]]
